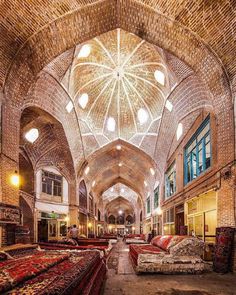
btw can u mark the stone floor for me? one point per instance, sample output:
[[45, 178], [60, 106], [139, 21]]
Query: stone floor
[[122, 280]]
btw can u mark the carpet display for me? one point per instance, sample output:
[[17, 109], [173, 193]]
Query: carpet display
[[168, 254], [223, 249], [15, 271], [81, 271], [58, 246], [53, 272]]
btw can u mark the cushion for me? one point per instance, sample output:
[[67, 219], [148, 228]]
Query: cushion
[[162, 241]]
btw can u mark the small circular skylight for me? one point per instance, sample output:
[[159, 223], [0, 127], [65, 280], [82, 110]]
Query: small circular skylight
[[179, 131], [83, 100], [111, 124], [142, 116], [160, 77], [152, 171], [169, 105], [84, 51], [120, 164], [32, 135], [87, 170], [69, 106], [122, 190], [118, 147]]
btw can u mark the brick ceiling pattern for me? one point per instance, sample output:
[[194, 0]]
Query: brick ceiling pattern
[[197, 41]]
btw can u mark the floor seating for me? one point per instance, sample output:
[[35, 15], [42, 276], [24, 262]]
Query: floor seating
[[27, 270], [168, 254], [135, 239]]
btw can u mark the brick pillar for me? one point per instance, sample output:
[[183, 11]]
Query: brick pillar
[[73, 215], [9, 157]]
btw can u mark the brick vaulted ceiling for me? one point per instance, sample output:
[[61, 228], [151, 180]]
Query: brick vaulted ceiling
[[194, 40]]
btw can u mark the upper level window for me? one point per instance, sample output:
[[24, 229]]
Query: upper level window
[[170, 181], [51, 183], [197, 153], [148, 205], [156, 197]]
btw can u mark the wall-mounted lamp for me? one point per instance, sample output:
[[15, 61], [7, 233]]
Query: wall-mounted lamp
[[15, 179]]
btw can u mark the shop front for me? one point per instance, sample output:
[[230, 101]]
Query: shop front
[[51, 226], [201, 216]]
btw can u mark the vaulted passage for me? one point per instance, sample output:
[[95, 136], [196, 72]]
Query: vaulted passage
[[117, 147]]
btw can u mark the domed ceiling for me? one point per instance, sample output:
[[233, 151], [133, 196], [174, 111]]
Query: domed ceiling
[[120, 190], [118, 84]]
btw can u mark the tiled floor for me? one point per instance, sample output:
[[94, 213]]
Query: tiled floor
[[122, 280]]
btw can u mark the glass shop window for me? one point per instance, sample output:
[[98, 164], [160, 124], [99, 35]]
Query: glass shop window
[[197, 153], [51, 184], [156, 197], [170, 181], [148, 205]]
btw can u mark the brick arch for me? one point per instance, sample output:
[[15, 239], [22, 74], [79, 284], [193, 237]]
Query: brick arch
[[51, 148], [48, 95], [139, 19], [104, 166], [189, 96]]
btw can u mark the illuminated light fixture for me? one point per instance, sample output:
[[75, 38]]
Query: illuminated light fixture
[[112, 189], [122, 190], [89, 224], [118, 147], [120, 164], [133, 228], [179, 131], [120, 212], [84, 51], [93, 184], [169, 105], [110, 227], [142, 116], [87, 170], [69, 106], [111, 124], [152, 171], [32, 135], [66, 218], [15, 179], [158, 210], [83, 100], [145, 183], [160, 77]]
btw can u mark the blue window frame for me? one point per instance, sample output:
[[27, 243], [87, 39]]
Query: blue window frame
[[148, 205], [170, 181], [197, 152], [156, 197]]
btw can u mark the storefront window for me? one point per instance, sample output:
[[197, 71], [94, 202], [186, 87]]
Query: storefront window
[[156, 197], [170, 181], [198, 152], [51, 183], [148, 205]]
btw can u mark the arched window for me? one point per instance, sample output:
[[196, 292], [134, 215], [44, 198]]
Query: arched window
[[82, 196], [111, 219], [129, 219]]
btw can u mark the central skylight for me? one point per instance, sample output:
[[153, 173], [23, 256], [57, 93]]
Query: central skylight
[[119, 84]]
